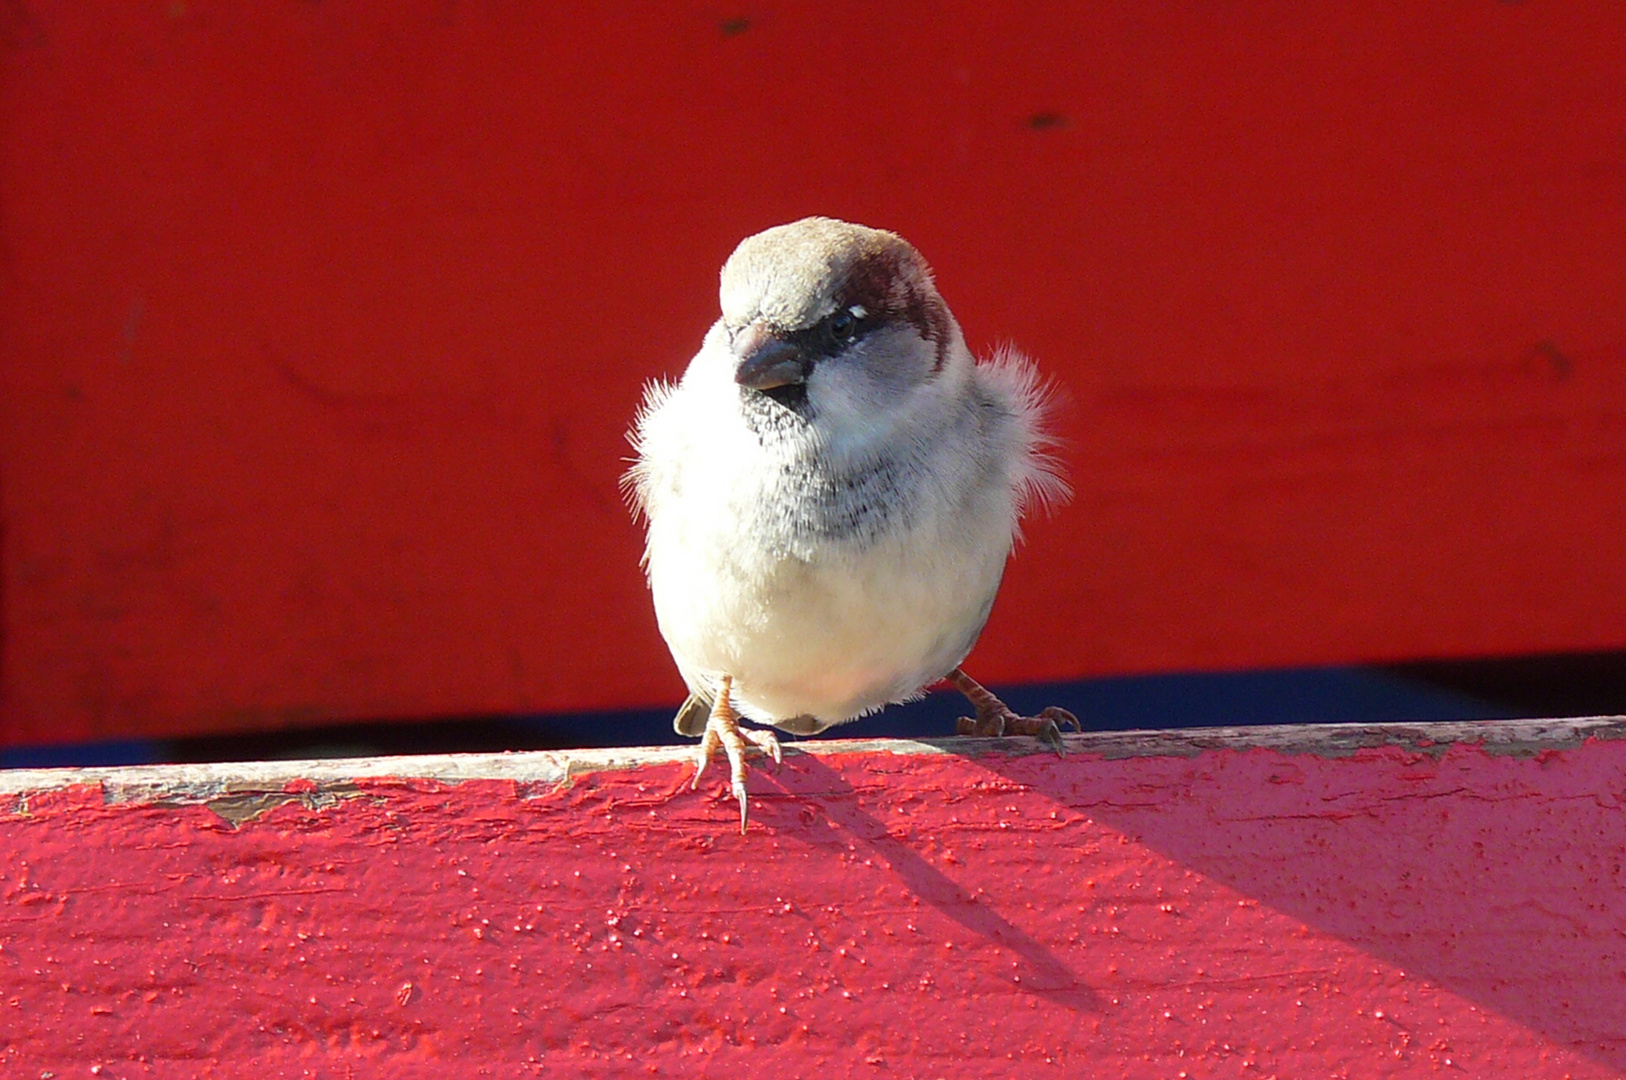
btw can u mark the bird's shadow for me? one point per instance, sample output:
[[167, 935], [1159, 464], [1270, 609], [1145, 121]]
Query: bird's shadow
[[783, 803], [1482, 873]]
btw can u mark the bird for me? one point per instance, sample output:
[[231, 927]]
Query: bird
[[830, 494]]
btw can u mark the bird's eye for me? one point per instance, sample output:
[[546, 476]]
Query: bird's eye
[[844, 326]]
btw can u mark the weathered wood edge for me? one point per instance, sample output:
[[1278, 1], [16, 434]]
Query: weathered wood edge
[[233, 787]]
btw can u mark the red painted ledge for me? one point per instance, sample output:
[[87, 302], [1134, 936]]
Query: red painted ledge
[[1390, 901]]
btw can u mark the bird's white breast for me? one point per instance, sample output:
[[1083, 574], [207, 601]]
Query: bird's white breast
[[810, 620]]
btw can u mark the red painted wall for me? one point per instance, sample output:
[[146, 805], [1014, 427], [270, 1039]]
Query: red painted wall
[[1245, 914], [322, 325]]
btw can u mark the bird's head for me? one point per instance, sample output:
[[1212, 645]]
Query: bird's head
[[837, 323]]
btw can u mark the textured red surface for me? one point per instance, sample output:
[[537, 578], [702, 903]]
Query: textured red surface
[[1235, 914], [322, 324]]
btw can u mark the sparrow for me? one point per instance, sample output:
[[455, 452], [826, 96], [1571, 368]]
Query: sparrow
[[831, 492]]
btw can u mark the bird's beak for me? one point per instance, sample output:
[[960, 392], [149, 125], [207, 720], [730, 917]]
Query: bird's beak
[[767, 361]]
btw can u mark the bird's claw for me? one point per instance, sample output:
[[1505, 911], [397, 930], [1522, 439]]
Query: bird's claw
[[1049, 723], [1046, 727], [723, 730]]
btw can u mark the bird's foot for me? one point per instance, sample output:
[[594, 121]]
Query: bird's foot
[[1046, 727], [723, 730], [995, 718]]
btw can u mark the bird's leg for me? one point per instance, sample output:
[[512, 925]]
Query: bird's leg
[[994, 717], [723, 729]]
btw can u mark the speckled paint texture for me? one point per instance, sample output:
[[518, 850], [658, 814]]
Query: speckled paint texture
[[1235, 913]]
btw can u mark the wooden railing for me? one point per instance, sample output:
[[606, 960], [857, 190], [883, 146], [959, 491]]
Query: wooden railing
[[1399, 900]]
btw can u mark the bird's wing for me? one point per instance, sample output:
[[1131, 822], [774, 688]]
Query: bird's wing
[[691, 716], [801, 725]]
